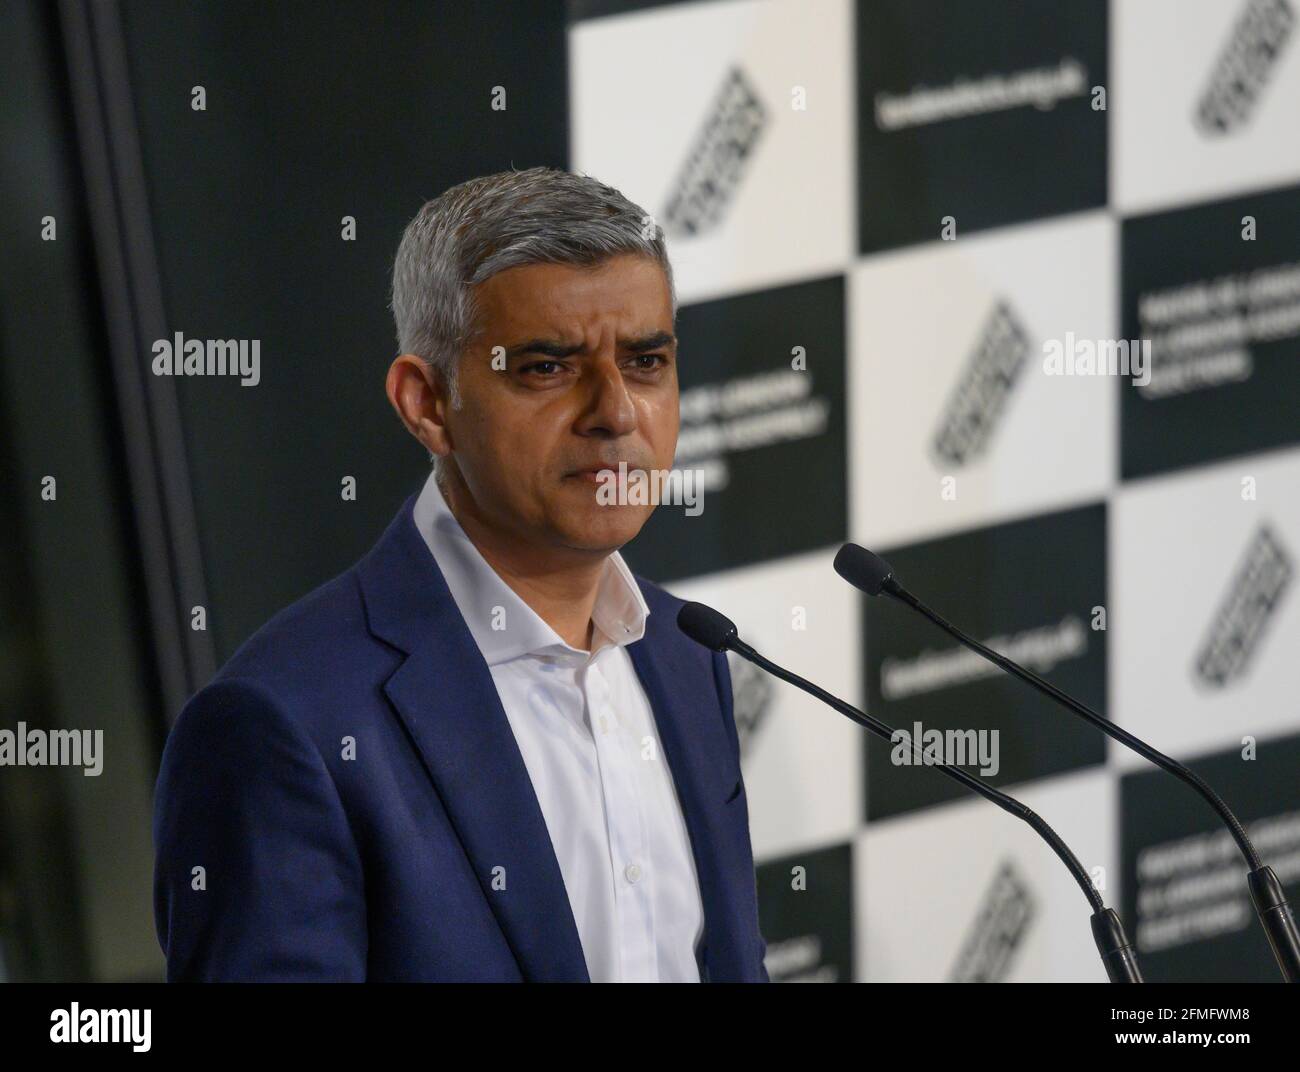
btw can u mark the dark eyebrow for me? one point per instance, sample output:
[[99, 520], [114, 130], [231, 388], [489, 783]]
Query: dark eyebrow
[[556, 349], [545, 347], [646, 343]]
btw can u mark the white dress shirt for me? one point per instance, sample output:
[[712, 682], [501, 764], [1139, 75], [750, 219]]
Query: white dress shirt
[[588, 738]]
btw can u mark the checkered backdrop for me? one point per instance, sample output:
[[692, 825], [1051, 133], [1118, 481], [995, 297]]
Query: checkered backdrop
[[884, 218], [887, 220]]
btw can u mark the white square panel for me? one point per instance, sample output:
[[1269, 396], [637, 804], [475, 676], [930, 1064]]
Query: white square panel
[[647, 117], [921, 321], [1178, 549], [1179, 68], [924, 882]]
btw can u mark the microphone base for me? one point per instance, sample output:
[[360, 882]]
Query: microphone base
[[1278, 919], [1113, 945]]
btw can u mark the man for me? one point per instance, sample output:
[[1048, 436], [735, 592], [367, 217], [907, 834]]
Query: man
[[485, 752]]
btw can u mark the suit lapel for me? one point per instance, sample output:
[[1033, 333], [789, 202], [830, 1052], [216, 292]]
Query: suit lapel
[[446, 698], [704, 773]]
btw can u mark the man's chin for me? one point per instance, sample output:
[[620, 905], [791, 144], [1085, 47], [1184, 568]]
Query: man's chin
[[603, 528]]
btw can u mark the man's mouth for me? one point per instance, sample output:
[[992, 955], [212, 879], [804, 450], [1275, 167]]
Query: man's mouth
[[599, 472]]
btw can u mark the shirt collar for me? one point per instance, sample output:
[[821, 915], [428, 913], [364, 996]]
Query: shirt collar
[[503, 626]]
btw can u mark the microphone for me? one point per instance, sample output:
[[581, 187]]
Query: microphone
[[706, 626], [718, 633], [873, 575]]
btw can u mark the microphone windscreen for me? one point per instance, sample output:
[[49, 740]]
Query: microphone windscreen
[[706, 626], [862, 569]]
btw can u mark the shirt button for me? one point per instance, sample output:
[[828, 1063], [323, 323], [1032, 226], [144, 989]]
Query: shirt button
[[632, 873]]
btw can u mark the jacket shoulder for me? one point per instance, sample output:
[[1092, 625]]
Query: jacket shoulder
[[312, 648]]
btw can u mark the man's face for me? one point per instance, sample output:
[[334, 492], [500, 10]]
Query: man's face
[[590, 380]]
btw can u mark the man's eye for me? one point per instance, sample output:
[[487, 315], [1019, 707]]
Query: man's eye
[[542, 368], [646, 362]]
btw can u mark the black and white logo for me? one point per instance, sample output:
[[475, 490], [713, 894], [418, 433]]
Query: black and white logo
[[1005, 916], [718, 158], [1253, 597], [975, 404], [751, 692], [1244, 66]]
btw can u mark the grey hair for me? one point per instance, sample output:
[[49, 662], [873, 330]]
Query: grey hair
[[472, 231]]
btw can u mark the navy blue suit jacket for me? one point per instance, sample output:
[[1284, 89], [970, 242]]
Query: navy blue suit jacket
[[386, 866]]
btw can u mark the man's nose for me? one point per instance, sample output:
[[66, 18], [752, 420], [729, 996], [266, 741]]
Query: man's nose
[[610, 409]]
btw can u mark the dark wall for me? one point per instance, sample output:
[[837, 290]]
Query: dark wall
[[220, 223], [314, 112]]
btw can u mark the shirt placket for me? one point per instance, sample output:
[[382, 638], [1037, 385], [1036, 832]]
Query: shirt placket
[[629, 854]]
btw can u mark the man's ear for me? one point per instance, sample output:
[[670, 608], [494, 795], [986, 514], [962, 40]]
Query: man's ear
[[418, 393]]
